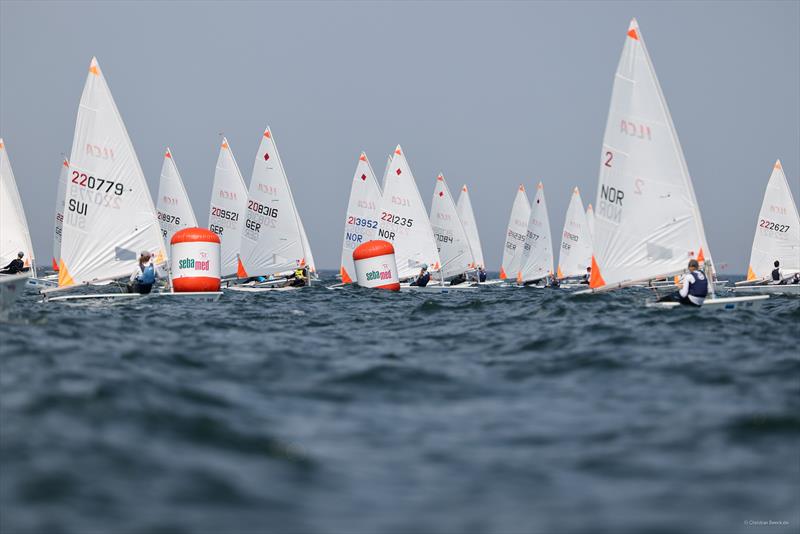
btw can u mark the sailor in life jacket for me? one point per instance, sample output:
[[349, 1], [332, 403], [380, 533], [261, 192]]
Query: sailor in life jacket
[[777, 275], [423, 278], [144, 276], [694, 286]]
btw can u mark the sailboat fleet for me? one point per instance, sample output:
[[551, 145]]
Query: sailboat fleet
[[642, 229]]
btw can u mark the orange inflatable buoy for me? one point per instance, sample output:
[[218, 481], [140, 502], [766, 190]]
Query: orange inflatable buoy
[[375, 265], [195, 260]]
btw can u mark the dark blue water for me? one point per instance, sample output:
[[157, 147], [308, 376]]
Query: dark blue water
[[353, 411]]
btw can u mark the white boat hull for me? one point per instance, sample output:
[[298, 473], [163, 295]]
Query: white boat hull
[[719, 304], [254, 289], [201, 296], [793, 289], [436, 288], [11, 287]]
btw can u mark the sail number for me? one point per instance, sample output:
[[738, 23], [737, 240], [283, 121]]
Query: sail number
[[224, 214], [358, 221], [167, 218], [262, 209], [396, 219], [91, 182], [769, 225]]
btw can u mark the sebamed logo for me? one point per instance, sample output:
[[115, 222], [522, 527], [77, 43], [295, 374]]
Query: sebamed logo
[[201, 264], [385, 273]]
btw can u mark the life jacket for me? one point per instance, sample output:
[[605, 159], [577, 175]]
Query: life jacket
[[776, 274], [148, 274], [423, 280], [699, 288], [482, 276], [298, 273]]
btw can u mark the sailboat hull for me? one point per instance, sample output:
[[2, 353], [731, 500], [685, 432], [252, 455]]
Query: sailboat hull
[[10, 288], [721, 304], [202, 296], [784, 290]]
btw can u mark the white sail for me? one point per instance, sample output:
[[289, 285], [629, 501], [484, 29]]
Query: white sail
[[58, 227], [647, 222], [777, 230], [272, 238], [109, 214], [451, 238], [361, 220], [590, 220], [404, 220], [227, 212], [575, 254], [515, 235], [386, 171], [467, 216], [174, 209], [14, 234], [536, 261]]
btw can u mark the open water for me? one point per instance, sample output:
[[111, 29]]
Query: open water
[[357, 411]]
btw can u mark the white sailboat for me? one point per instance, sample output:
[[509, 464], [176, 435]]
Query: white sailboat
[[174, 208], [777, 238], [455, 252], [14, 234], [467, 216], [273, 241], [109, 214], [361, 219], [404, 221], [536, 262], [575, 254], [59, 218], [647, 221], [228, 204], [515, 234]]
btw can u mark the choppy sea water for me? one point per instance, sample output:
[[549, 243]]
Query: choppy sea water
[[496, 410]]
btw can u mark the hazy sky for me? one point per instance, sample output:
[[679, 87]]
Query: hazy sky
[[492, 94]]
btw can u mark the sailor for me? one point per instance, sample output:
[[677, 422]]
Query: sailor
[[423, 278], [481, 274], [777, 275], [144, 276], [460, 279], [587, 277], [299, 278], [15, 266], [795, 279], [694, 287]]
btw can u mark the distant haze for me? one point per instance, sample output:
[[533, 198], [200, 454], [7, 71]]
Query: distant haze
[[491, 94]]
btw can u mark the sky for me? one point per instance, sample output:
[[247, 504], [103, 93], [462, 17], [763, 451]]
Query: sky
[[492, 94]]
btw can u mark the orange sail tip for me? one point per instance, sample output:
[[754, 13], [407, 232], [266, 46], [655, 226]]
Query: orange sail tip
[[596, 279], [65, 163], [560, 273], [700, 257], [64, 278], [240, 270], [540, 185], [519, 277], [503, 275], [363, 157], [440, 178], [55, 265], [398, 151], [464, 188], [267, 134], [345, 277], [778, 164], [751, 275], [1, 144], [522, 188], [168, 154], [94, 67], [590, 207], [576, 190]]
